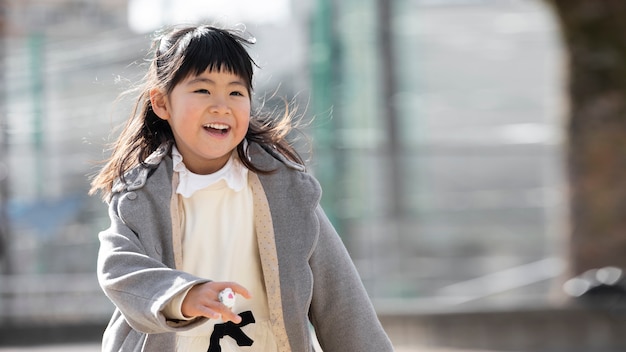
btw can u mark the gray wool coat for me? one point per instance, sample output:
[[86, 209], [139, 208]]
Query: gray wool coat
[[309, 276]]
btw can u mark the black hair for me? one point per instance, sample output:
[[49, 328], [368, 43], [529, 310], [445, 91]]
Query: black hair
[[180, 52]]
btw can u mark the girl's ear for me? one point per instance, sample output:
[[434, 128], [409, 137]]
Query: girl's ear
[[159, 104]]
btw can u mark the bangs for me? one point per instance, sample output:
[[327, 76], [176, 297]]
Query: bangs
[[212, 49]]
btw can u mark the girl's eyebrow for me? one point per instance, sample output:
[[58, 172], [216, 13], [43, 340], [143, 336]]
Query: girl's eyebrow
[[199, 79]]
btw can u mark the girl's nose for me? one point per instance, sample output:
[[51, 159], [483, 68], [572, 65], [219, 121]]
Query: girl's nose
[[219, 107]]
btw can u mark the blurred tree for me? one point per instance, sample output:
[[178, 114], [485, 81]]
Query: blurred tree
[[594, 33]]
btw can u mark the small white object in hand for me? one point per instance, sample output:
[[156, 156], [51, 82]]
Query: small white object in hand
[[227, 297]]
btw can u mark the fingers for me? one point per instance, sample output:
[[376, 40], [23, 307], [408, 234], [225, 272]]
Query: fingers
[[226, 312], [228, 315], [238, 289], [202, 300]]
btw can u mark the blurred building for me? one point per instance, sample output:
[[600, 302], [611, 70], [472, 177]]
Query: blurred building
[[65, 64], [60, 62], [68, 18], [438, 144], [467, 208]]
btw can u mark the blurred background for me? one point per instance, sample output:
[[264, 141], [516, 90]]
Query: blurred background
[[437, 127]]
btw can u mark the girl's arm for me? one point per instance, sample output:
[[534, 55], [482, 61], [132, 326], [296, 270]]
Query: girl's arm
[[135, 281], [341, 312]]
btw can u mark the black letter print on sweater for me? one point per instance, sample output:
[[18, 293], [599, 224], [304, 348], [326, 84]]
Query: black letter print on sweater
[[233, 330]]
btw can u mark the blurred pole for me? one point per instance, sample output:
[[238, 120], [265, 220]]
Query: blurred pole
[[36, 43], [5, 267], [594, 34], [388, 79], [324, 125]]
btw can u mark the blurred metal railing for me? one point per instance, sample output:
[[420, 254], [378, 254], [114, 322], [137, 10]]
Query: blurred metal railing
[[59, 298]]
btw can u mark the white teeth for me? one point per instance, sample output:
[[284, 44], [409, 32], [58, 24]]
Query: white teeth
[[217, 126]]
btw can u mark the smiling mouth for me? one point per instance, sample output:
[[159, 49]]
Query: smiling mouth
[[217, 128]]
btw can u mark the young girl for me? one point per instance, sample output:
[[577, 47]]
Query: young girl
[[217, 241]]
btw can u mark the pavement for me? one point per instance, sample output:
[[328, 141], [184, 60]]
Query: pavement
[[96, 348], [54, 348]]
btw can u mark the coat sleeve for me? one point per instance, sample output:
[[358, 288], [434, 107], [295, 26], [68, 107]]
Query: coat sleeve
[[341, 312], [138, 283]]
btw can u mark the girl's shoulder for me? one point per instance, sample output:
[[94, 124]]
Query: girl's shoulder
[[270, 158], [136, 177], [284, 174]]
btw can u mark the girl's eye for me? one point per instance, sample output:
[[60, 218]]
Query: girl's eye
[[202, 91], [237, 93]]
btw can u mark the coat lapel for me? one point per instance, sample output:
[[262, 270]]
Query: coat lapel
[[292, 197], [269, 261]]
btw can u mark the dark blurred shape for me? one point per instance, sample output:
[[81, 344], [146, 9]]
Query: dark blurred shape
[[604, 287], [596, 133]]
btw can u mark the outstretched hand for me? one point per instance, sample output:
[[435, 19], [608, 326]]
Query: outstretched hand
[[202, 301]]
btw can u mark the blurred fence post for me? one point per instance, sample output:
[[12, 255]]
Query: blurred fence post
[[4, 171], [389, 87], [36, 43], [5, 259], [322, 57]]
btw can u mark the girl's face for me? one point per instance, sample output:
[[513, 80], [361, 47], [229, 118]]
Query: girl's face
[[209, 116]]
